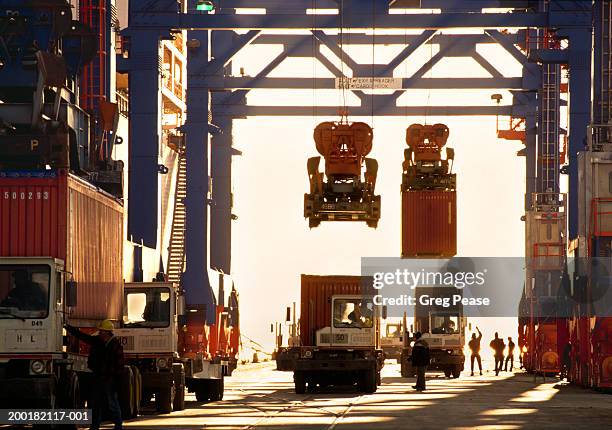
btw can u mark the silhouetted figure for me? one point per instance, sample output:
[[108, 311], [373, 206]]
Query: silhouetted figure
[[510, 356], [26, 295], [420, 360], [498, 346], [566, 361], [474, 345], [106, 364]]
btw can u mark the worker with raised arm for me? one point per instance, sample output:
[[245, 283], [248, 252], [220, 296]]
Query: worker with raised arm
[[474, 345], [498, 346], [106, 363], [510, 356]]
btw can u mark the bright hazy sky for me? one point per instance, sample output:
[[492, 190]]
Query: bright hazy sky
[[272, 244]]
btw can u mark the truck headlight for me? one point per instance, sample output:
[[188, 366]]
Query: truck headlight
[[37, 367], [308, 354], [162, 363]]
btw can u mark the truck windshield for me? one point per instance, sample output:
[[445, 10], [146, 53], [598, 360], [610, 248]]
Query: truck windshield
[[445, 323], [24, 291], [147, 307], [357, 313], [393, 330]]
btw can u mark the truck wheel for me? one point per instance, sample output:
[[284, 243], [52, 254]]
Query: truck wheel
[[368, 381], [137, 391], [69, 396], [216, 390], [201, 394], [299, 380], [457, 371], [447, 372], [126, 392], [378, 378], [164, 399], [179, 387]]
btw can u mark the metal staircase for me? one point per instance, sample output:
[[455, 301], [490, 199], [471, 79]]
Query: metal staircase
[[176, 249]]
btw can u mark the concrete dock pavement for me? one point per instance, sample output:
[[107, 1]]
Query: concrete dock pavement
[[263, 398]]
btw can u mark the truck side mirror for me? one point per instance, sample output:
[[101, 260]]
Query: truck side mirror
[[384, 312], [71, 293], [288, 315], [180, 305], [272, 328], [470, 326]]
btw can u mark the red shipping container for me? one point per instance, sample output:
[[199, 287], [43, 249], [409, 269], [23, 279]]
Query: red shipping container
[[55, 214], [316, 295], [429, 223]]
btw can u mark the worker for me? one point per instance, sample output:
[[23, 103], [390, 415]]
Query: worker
[[156, 310], [474, 345], [498, 346], [355, 316], [26, 295], [566, 361], [106, 363], [510, 356], [361, 316], [420, 360]]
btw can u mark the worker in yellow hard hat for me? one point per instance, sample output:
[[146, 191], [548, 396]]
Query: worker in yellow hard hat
[[106, 363]]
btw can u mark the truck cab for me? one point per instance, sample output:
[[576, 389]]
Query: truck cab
[[345, 352], [35, 369], [149, 335], [392, 340], [443, 328]]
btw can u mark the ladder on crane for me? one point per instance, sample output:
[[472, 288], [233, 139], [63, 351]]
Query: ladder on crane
[[176, 249]]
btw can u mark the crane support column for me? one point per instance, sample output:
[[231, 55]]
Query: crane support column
[[221, 163], [196, 284]]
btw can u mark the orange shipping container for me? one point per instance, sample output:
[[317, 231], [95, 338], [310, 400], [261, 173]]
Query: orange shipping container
[[316, 305], [55, 214], [429, 223]]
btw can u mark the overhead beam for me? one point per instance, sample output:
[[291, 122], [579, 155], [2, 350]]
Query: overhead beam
[[383, 39], [295, 5], [198, 21], [245, 83], [331, 111]]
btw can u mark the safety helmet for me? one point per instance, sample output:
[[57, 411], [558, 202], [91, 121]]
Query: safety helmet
[[106, 325]]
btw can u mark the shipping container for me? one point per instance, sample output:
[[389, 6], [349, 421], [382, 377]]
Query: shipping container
[[55, 214], [429, 223], [316, 294]]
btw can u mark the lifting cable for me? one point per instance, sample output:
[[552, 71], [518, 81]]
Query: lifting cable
[[430, 72], [373, 58], [314, 63], [343, 111]]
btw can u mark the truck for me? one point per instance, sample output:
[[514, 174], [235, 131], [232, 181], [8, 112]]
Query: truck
[[443, 328], [285, 355], [392, 340], [339, 331], [150, 332], [61, 242]]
